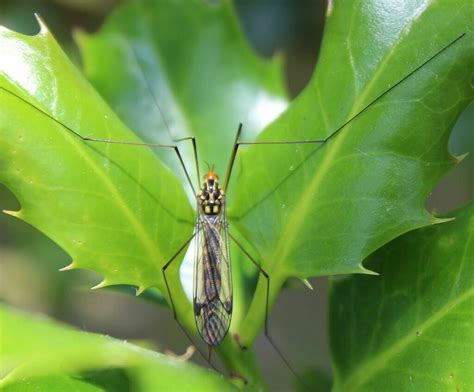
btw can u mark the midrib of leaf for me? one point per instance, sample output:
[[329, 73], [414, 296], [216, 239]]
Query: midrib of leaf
[[369, 368], [323, 109], [349, 51], [297, 219], [461, 264]]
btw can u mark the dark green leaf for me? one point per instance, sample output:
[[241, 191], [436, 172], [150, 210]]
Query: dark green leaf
[[412, 327]]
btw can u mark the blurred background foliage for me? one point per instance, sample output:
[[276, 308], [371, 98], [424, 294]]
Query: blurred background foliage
[[29, 262]]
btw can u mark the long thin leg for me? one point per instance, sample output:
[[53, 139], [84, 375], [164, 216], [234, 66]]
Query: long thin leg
[[337, 130], [175, 316], [232, 157], [91, 139], [209, 353], [237, 144], [196, 160], [266, 330]]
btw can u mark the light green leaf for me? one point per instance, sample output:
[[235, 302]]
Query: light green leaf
[[412, 327], [320, 210], [34, 347]]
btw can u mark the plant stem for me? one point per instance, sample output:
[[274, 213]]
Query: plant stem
[[255, 318], [240, 361], [242, 364]]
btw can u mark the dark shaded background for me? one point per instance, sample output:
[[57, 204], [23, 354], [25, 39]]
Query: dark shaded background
[[29, 262]]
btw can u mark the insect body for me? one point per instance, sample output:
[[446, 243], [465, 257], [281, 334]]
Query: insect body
[[212, 299]]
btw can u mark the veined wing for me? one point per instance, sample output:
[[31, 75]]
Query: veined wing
[[212, 298]]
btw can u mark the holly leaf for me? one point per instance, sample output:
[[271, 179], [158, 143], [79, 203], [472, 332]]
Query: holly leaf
[[304, 210], [116, 210], [39, 353], [312, 210], [412, 326]]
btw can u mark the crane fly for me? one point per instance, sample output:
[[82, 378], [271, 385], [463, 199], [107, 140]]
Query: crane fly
[[212, 292], [212, 278]]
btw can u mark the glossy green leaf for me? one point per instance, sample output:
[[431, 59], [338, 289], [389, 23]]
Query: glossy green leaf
[[320, 210], [33, 347], [115, 210], [412, 327], [306, 211]]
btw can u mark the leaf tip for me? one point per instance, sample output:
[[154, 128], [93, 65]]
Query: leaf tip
[[41, 23], [140, 290], [79, 35], [363, 270], [307, 284], [16, 214], [461, 157], [436, 221], [329, 8], [100, 285], [68, 267]]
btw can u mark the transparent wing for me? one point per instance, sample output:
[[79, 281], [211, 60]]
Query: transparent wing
[[212, 298]]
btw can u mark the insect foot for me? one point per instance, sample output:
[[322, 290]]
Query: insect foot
[[236, 336]]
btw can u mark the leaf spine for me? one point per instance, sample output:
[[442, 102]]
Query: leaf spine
[[140, 290], [16, 214], [100, 285], [68, 267]]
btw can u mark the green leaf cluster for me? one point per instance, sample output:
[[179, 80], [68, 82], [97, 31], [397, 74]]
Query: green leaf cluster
[[303, 210]]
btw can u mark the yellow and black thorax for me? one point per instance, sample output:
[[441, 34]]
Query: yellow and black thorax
[[211, 197]]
